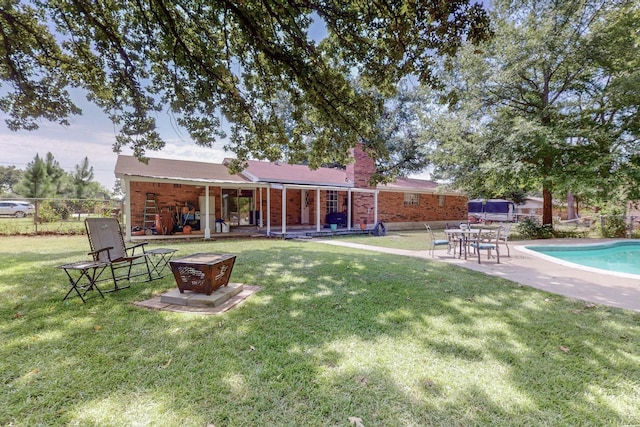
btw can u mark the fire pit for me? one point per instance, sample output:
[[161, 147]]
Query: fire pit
[[202, 273]]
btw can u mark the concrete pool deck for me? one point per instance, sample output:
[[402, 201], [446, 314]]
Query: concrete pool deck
[[526, 269]]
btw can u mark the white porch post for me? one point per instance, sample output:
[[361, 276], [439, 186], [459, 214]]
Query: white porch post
[[207, 226], [260, 213], [318, 209], [375, 208], [127, 207], [284, 209], [349, 209], [268, 210]]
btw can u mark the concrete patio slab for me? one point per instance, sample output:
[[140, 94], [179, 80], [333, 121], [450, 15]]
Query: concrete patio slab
[[523, 268]]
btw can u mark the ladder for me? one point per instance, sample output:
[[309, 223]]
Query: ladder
[[150, 211]]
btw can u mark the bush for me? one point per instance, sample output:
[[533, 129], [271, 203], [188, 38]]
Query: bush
[[531, 228], [612, 226], [47, 212]]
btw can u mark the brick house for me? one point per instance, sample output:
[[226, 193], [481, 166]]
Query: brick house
[[273, 197]]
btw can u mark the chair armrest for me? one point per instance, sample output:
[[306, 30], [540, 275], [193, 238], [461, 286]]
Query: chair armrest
[[136, 246], [95, 254]]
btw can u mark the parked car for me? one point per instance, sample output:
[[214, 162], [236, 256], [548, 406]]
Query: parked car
[[16, 208]]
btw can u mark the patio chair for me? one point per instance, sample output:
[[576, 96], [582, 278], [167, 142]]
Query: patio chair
[[107, 245], [504, 237], [437, 242], [488, 242]]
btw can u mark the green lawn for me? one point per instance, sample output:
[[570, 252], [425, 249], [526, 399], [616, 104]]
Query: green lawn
[[334, 333]]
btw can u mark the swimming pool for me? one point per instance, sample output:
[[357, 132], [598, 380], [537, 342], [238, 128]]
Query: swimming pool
[[621, 257]]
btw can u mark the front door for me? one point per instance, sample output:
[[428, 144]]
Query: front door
[[304, 216]]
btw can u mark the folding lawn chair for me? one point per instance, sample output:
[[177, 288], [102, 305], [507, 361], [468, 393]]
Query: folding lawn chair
[[107, 245]]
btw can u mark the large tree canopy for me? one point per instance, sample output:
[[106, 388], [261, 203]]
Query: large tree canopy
[[211, 62], [548, 104]]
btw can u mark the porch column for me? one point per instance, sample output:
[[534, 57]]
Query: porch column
[[284, 209], [349, 209], [207, 229], [260, 212], [375, 207], [318, 209], [269, 211], [127, 207]]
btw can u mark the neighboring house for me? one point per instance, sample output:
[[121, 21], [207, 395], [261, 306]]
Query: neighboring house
[[275, 196], [532, 207]]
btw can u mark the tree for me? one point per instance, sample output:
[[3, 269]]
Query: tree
[[534, 109], [82, 178], [57, 176], [400, 130], [9, 177], [207, 62], [35, 183]]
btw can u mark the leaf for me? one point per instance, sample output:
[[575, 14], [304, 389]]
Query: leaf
[[565, 349], [356, 422]]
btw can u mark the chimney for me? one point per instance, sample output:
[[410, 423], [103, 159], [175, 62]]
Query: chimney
[[361, 169]]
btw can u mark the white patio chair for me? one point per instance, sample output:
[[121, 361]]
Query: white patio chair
[[436, 242]]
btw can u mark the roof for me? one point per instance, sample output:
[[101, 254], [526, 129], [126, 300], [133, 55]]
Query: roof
[[409, 184], [283, 173], [256, 172], [175, 169]]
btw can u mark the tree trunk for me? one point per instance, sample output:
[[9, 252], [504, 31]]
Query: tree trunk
[[547, 207], [571, 212]]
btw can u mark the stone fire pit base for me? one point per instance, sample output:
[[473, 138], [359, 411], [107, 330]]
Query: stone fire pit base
[[196, 299]]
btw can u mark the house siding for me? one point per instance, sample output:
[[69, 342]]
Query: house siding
[[169, 198], [392, 208]]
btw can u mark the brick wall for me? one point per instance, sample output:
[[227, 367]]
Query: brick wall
[[363, 167], [391, 208], [169, 198]]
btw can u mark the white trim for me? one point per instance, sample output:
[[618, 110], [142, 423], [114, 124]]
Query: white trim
[[318, 209], [127, 208], [268, 211], [207, 226], [196, 182], [284, 209]]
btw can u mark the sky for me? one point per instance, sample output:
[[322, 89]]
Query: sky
[[92, 135]]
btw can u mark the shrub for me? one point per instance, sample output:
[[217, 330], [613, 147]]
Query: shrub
[[612, 226], [47, 212], [531, 228]]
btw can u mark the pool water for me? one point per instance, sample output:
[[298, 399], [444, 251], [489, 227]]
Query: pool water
[[617, 256]]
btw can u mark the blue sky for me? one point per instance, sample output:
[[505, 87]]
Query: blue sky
[[92, 135]]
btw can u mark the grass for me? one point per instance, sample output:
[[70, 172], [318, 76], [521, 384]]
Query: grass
[[333, 333], [26, 226]]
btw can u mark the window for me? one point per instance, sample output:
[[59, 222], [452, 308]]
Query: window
[[332, 201], [411, 199], [441, 199]]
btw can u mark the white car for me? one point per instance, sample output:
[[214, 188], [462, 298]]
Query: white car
[[15, 208]]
